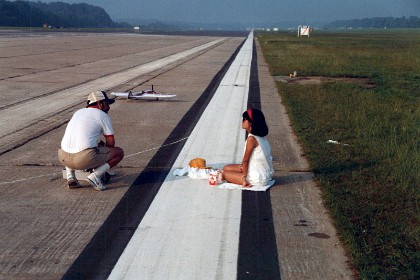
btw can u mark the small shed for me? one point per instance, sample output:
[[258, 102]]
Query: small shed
[[303, 30]]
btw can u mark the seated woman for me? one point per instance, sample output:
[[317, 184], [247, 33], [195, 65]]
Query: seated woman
[[256, 167]]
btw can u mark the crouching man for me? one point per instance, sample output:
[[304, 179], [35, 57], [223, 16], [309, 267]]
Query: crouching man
[[79, 146]]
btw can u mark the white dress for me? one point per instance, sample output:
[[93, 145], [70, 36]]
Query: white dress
[[260, 168]]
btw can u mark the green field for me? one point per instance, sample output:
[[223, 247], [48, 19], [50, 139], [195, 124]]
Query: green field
[[370, 181]]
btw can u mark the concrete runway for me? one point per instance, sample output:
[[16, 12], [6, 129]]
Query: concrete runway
[[49, 231], [191, 230]]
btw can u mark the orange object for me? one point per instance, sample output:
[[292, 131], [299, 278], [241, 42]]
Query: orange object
[[198, 163]]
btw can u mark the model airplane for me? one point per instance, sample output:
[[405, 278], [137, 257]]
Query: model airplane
[[149, 94]]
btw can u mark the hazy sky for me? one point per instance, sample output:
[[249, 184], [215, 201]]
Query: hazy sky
[[253, 11]]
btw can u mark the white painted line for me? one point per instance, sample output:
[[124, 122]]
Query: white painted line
[[40, 107], [191, 230]]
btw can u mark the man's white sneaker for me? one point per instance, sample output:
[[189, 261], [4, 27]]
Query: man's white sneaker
[[73, 183], [95, 182]]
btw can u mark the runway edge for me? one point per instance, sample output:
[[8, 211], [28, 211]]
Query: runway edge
[[307, 244]]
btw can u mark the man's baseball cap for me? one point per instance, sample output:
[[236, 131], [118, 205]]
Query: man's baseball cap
[[98, 96]]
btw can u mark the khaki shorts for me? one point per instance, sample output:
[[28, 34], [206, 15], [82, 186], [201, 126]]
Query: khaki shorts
[[86, 159]]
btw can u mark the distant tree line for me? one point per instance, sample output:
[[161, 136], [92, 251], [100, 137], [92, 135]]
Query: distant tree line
[[378, 22], [56, 14], [159, 26]]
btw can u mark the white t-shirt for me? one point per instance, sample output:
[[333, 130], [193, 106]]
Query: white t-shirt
[[84, 129]]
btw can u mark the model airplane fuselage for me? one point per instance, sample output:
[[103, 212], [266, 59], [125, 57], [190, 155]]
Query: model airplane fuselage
[[144, 94]]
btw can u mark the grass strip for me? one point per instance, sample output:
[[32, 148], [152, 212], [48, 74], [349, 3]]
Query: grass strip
[[370, 180]]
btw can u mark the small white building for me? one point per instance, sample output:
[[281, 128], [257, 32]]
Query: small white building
[[303, 30]]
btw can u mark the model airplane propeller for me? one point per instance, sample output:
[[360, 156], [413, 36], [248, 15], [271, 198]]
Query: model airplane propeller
[[149, 94]]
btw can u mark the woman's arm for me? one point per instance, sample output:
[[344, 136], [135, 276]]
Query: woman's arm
[[251, 144]]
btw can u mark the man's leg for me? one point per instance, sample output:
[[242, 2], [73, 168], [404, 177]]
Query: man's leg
[[66, 159], [71, 173], [72, 181], [114, 156]]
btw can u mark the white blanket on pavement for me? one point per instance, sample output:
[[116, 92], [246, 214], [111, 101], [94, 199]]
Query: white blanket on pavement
[[197, 173]]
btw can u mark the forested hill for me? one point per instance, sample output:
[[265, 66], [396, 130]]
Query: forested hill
[[379, 22], [56, 14]]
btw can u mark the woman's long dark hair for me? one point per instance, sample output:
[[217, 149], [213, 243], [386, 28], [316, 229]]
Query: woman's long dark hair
[[256, 118]]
